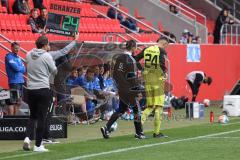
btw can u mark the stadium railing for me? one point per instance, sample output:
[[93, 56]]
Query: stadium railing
[[186, 9], [10, 41], [230, 34], [144, 24]]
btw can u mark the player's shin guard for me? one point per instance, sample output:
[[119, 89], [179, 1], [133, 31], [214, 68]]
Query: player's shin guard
[[157, 119]]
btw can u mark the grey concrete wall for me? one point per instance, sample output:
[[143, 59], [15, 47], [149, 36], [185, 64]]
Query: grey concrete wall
[[208, 9], [158, 13]]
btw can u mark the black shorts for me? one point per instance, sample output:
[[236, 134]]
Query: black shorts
[[17, 86]]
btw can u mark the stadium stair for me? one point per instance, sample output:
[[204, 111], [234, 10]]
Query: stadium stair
[[93, 27], [210, 24]]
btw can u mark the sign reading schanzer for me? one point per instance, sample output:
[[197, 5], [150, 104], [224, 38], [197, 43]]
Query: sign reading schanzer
[[62, 8]]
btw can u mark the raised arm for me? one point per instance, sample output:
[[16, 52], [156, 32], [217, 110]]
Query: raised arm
[[65, 50]]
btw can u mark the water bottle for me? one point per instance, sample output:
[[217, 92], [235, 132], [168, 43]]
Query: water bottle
[[169, 110], [211, 117], [1, 113]]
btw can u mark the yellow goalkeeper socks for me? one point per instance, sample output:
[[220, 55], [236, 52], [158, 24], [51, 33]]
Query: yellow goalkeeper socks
[[157, 119], [145, 114]]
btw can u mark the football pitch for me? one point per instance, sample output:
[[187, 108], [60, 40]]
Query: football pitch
[[188, 140]]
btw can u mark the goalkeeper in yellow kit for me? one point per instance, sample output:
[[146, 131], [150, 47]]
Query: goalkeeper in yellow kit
[[154, 77]]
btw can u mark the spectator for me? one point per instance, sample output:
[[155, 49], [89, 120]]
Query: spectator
[[101, 95], [111, 89], [173, 38], [70, 80], [127, 22], [222, 19], [190, 38], [87, 83], [171, 35], [130, 24], [96, 79], [79, 110], [112, 13], [173, 9], [99, 75], [42, 19], [15, 70], [38, 4], [4, 3], [21, 7], [197, 40], [185, 36], [32, 21], [82, 71], [108, 82]]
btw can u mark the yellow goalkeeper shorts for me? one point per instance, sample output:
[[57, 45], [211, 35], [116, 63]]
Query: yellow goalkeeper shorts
[[154, 95]]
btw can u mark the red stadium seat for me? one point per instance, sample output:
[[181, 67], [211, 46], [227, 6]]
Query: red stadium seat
[[23, 18], [4, 10]]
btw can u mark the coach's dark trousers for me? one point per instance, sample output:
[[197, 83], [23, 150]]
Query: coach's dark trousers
[[39, 101]]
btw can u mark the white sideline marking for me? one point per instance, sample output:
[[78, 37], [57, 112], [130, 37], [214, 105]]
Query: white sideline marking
[[149, 145], [20, 155], [127, 149], [222, 137]]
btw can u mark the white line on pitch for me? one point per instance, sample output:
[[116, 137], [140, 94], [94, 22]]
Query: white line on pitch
[[149, 145], [92, 155], [223, 137], [20, 155]]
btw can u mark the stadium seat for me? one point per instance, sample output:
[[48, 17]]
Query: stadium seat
[[143, 27], [4, 10], [137, 15]]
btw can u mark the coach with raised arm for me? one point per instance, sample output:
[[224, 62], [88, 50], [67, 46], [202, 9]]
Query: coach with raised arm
[[40, 67]]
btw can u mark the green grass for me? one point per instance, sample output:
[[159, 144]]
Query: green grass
[[86, 140]]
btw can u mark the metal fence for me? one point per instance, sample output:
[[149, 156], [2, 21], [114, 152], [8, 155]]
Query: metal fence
[[230, 34]]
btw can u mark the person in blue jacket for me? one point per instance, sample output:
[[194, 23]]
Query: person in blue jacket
[[89, 83], [15, 71]]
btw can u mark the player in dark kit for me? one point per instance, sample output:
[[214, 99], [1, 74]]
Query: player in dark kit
[[125, 76]]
